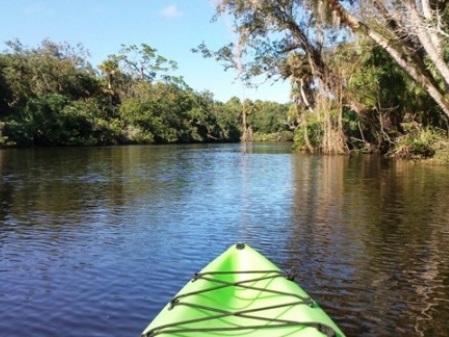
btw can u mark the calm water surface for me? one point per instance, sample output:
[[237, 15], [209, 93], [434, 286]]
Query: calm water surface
[[93, 242]]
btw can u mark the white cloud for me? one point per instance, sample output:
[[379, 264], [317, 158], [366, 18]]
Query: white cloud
[[171, 12]]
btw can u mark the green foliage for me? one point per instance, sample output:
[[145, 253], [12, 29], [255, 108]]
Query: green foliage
[[387, 99], [3, 139], [44, 124], [228, 119], [168, 113], [143, 64], [85, 124], [50, 95], [135, 135], [309, 134], [392, 79], [268, 117], [379, 82], [417, 142], [442, 151]]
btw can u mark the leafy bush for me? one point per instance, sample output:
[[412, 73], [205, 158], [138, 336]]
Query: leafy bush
[[417, 142], [442, 151]]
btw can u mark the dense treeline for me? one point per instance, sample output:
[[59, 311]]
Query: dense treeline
[[366, 75], [52, 95]]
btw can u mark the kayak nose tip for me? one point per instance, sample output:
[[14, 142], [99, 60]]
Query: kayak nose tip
[[240, 245]]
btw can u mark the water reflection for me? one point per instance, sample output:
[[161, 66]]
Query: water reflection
[[370, 234], [105, 236]]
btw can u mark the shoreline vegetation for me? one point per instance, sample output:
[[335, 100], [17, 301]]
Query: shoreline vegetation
[[370, 76], [351, 97], [50, 95]]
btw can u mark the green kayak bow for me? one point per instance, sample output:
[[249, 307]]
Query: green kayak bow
[[241, 293]]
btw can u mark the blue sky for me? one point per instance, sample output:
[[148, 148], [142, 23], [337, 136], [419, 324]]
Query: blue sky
[[173, 27]]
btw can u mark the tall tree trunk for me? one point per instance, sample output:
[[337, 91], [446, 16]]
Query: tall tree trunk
[[427, 11], [422, 79], [304, 98], [425, 37], [246, 130], [305, 129], [426, 83], [428, 17]]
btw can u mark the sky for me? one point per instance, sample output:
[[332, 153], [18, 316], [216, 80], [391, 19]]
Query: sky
[[173, 27]]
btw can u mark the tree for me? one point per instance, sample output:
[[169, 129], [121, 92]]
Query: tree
[[268, 117], [412, 32], [228, 118], [143, 64], [111, 70], [231, 56], [50, 95], [280, 33], [297, 67], [40, 83]]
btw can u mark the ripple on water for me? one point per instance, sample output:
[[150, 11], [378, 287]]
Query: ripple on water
[[95, 242]]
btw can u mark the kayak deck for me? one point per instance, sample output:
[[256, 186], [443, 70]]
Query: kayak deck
[[241, 293]]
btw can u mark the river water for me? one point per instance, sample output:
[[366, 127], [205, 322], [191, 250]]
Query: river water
[[94, 241]]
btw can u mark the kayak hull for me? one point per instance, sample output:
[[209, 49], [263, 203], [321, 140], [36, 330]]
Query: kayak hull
[[241, 293]]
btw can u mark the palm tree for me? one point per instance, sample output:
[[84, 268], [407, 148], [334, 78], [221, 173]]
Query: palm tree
[[297, 68], [110, 68]]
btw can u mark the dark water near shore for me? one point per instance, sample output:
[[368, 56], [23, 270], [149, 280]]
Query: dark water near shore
[[93, 242]]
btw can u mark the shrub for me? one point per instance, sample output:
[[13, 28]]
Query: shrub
[[417, 142]]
